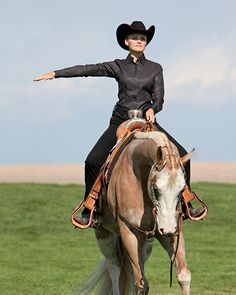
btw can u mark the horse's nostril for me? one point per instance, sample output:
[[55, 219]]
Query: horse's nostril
[[166, 233]]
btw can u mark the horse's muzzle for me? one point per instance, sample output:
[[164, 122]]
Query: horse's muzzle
[[168, 232]]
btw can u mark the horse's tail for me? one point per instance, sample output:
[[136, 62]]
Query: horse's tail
[[99, 282]]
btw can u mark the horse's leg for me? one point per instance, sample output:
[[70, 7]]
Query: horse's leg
[[182, 271], [147, 249], [107, 242], [135, 251]]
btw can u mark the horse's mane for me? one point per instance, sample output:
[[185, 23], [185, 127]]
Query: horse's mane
[[168, 149], [159, 137]]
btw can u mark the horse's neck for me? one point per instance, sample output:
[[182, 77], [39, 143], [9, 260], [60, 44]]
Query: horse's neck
[[148, 149]]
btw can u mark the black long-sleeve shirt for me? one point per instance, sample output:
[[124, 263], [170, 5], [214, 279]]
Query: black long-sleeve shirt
[[140, 84]]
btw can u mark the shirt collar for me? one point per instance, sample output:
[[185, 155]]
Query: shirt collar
[[142, 58]]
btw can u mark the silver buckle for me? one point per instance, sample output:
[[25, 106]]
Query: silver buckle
[[135, 114]]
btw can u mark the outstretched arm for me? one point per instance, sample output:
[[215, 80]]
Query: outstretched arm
[[48, 76], [106, 69]]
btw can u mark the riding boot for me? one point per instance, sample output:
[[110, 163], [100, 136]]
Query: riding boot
[[195, 211], [84, 219], [91, 174]]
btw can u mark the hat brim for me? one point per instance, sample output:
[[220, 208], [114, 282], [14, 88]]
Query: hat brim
[[125, 30]]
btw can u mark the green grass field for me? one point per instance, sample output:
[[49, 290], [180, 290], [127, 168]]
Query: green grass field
[[41, 252]]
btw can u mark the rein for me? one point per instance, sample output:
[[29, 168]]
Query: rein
[[148, 233], [172, 259]]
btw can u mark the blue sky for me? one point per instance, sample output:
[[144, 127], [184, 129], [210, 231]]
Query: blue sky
[[59, 121]]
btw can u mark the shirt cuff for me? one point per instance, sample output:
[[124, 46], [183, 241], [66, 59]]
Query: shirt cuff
[[156, 107]]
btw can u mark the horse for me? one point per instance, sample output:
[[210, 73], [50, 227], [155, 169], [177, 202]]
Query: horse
[[140, 204]]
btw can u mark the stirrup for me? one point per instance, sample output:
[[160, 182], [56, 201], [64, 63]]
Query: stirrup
[[189, 196], [75, 221], [89, 203]]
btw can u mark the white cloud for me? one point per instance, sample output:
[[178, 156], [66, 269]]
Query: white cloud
[[204, 71]]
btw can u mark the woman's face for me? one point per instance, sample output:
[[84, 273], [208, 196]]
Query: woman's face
[[136, 42]]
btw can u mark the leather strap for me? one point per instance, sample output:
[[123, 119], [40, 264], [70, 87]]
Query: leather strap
[[88, 203], [187, 195]]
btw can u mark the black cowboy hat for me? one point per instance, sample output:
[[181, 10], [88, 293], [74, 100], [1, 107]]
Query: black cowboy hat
[[125, 30]]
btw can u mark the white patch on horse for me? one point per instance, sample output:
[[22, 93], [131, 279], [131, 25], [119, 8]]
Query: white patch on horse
[[168, 198]]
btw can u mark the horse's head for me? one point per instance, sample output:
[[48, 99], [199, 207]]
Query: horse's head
[[166, 183], [165, 187], [166, 179]]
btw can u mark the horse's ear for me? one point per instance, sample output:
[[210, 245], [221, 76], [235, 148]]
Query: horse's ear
[[187, 157]]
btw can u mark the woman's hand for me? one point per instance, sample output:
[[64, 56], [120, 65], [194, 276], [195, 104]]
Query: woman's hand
[[150, 116], [48, 76]]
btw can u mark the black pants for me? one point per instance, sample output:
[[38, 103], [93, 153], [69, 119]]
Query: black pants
[[100, 151]]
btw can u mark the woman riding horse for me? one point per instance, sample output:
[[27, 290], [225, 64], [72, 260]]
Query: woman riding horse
[[141, 87]]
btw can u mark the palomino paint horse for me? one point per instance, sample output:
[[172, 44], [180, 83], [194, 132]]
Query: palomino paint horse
[[140, 203]]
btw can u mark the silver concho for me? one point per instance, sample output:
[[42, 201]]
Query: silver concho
[[135, 114]]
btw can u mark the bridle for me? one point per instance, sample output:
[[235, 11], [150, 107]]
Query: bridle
[[153, 194]]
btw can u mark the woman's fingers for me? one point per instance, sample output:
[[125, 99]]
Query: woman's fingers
[[47, 76], [39, 78], [150, 116]]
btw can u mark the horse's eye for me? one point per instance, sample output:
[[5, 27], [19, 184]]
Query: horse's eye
[[155, 185], [156, 191]]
